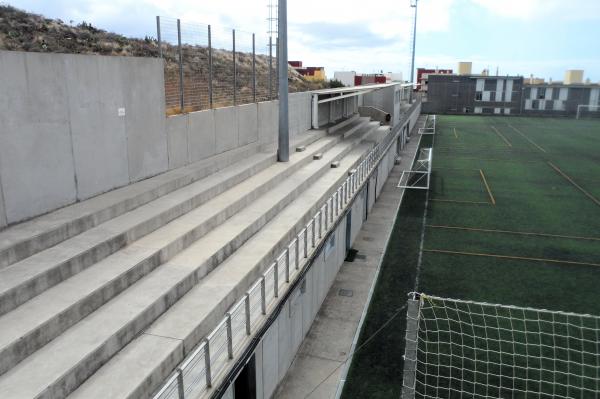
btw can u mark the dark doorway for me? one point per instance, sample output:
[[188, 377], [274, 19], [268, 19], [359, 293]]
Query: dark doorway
[[348, 229], [245, 382]]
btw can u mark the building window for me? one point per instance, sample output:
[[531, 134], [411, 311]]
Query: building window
[[541, 94], [478, 96]]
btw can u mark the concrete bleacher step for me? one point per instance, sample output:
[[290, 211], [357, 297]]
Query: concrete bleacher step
[[29, 277], [25, 239], [343, 124], [61, 365], [144, 364], [360, 124], [20, 335]]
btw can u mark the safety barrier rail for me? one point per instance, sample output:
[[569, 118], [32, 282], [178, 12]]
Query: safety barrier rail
[[207, 362]]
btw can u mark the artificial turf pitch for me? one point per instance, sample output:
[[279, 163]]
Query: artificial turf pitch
[[513, 217]]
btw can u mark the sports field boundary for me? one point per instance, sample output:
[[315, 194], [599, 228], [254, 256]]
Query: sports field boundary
[[512, 257], [563, 174], [487, 187], [508, 143], [527, 138], [524, 233]]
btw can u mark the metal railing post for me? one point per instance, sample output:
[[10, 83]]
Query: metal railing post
[[253, 68], [314, 229], [158, 36], [247, 303], [297, 250], [229, 336], [276, 281], [181, 100], [270, 68], [180, 390], [306, 243], [207, 363], [263, 296], [210, 69], [234, 70], [287, 265]]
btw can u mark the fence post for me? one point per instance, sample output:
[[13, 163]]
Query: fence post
[[297, 252], [181, 101], [234, 71], [276, 281], [247, 303], [253, 68], [158, 37], [207, 363], [210, 69], [270, 68], [229, 336], [263, 296], [287, 265], [305, 243], [410, 350], [180, 390]]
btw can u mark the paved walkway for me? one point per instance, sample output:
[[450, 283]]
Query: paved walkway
[[321, 359]]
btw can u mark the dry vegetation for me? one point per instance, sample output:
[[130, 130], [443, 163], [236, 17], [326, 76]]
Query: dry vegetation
[[23, 31]]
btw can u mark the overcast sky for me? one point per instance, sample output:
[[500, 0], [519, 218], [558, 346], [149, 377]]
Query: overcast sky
[[540, 37]]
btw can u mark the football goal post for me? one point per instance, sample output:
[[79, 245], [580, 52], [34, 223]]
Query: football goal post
[[588, 111], [464, 349]]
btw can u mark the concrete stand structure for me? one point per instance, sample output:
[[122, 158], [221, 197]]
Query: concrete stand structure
[[115, 296]]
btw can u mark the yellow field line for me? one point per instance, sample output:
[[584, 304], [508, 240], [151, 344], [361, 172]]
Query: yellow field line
[[487, 187], [570, 262], [563, 174], [455, 135], [527, 138], [524, 233], [502, 136], [459, 201]]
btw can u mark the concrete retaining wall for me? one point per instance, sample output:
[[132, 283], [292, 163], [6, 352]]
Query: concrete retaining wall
[[74, 126]]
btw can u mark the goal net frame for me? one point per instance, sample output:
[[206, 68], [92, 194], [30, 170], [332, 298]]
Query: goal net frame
[[466, 349], [429, 126], [420, 175], [591, 108]]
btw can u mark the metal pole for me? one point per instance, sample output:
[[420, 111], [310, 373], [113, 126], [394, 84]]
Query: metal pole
[[158, 36], [210, 69], [180, 388], [283, 152], [181, 102], [253, 68], [412, 64], [270, 68], [234, 71]]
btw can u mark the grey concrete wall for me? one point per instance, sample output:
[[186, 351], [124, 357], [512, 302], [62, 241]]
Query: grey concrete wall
[[75, 126], [62, 137]]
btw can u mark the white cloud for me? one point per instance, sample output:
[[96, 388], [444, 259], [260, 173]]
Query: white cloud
[[536, 9]]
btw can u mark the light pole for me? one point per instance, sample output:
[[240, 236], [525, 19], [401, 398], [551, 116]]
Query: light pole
[[414, 4], [283, 152]]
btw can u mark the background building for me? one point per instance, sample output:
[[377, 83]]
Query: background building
[[309, 73], [423, 76], [510, 95]]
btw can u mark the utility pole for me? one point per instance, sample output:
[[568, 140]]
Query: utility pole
[[283, 152], [414, 4]]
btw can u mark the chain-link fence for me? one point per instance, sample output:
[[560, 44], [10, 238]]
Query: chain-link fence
[[208, 66]]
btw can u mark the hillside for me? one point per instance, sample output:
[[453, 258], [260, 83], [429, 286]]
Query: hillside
[[24, 31]]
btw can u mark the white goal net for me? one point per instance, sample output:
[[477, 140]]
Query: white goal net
[[463, 349], [588, 111]]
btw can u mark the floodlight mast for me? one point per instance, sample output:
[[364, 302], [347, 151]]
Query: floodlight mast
[[283, 152], [414, 4]]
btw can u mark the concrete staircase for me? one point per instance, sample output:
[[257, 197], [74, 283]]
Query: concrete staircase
[[105, 297]]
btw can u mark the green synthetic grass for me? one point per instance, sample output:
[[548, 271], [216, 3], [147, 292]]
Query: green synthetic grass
[[531, 197]]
